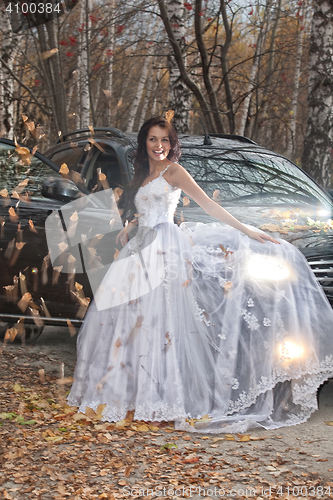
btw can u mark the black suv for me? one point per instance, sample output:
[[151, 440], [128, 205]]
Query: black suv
[[257, 186]]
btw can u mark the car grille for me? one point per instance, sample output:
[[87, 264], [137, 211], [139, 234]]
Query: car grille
[[323, 269]]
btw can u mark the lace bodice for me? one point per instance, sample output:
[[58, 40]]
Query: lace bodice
[[156, 201]]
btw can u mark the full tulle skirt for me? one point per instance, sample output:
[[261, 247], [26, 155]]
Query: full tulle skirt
[[200, 325]]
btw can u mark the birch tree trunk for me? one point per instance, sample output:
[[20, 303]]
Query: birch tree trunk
[[256, 62], [142, 83], [84, 70], [264, 130], [318, 145], [224, 66], [60, 97], [7, 52], [179, 96], [154, 92], [293, 107], [149, 84], [111, 49]]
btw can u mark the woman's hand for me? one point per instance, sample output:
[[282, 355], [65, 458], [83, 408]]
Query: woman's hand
[[262, 237], [122, 236]]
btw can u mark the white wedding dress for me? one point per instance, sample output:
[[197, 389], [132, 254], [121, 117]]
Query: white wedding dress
[[201, 325]]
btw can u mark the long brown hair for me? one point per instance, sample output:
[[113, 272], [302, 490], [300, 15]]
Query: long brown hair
[[141, 163]]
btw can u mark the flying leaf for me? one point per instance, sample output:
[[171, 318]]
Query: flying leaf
[[94, 143], [71, 328], [49, 53], [169, 115], [13, 217], [64, 170], [32, 227]]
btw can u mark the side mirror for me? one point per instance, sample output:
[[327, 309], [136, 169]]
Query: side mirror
[[60, 189]]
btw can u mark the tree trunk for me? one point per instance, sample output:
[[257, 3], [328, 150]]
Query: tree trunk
[[59, 85], [256, 63], [225, 69], [142, 83], [182, 68], [318, 145], [8, 44], [111, 49], [265, 100], [179, 96], [84, 70], [205, 63], [293, 108]]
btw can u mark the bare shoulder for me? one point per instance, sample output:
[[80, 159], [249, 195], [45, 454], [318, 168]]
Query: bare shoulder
[[174, 170]]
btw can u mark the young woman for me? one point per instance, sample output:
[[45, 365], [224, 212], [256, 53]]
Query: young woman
[[217, 327]]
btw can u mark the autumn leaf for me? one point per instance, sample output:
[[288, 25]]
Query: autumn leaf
[[64, 170], [191, 460], [31, 226], [71, 328], [186, 201], [169, 115], [49, 53], [13, 217], [244, 438], [168, 446], [127, 472], [94, 143], [74, 217]]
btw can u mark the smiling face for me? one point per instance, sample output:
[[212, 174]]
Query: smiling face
[[158, 144]]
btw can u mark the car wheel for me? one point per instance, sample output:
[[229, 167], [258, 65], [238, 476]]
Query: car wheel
[[32, 332]]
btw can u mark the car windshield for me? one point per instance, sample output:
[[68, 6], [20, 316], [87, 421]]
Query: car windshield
[[251, 178], [16, 169]]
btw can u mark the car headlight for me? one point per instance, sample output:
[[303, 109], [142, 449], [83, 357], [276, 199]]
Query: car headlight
[[264, 267]]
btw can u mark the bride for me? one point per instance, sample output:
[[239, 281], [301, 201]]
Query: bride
[[181, 329]]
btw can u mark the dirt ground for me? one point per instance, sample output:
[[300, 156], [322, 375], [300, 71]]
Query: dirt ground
[[48, 451]]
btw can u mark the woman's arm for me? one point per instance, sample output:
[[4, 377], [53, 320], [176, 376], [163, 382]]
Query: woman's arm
[[179, 177], [122, 236]]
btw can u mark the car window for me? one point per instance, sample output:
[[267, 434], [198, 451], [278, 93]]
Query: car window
[[72, 156], [104, 171], [253, 178], [28, 170]]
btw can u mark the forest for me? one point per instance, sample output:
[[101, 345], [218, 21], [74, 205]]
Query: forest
[[262, 69]]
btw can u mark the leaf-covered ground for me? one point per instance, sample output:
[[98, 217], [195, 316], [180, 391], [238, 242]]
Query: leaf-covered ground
[[48, 451]]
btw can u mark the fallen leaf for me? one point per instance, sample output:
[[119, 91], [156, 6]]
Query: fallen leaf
[[127, 472], [191, 460]]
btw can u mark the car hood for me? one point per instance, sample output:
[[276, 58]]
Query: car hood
[[302, 226]]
